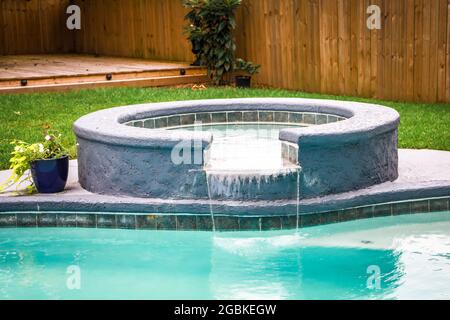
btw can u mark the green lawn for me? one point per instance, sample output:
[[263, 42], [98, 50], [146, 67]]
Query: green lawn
[[25, 117]]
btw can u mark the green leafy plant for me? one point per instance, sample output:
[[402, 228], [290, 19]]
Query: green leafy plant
[[25, 153], [211, 24], [193, 30], [246, 66]]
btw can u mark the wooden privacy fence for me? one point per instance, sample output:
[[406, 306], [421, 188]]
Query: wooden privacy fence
[[34, 26], [310, 45], [325, 46], [137, 28]]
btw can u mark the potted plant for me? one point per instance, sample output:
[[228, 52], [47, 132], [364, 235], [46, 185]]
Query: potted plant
[[194, 31], [248, 67], [197, 44], [211, 26], [45, 165]]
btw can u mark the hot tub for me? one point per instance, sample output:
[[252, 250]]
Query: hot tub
[[151, 151]]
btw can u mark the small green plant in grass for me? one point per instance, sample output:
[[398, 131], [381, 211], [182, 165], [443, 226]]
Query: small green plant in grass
[[25, 153]]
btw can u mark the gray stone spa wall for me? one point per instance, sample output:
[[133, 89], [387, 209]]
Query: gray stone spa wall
[[127, 151]]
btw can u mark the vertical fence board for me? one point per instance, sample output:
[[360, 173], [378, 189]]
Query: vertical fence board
[[409, 38], [441, 54]]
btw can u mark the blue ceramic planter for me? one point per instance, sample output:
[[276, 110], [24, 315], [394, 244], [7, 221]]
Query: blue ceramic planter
[[50, 176]]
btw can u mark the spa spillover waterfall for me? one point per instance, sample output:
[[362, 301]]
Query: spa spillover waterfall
[[245, 162]]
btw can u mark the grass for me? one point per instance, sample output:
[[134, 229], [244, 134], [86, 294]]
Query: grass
[[26, 117]]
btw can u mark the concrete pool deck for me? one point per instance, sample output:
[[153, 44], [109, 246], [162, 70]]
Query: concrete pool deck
[[423, 174]]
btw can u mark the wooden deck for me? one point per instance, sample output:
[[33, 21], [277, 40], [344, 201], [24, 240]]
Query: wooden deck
[[46, 73]]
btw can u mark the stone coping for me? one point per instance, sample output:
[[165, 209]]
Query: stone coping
[[363, 121], [193, 222]]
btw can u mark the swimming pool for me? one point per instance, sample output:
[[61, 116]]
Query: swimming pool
[[395, 257]]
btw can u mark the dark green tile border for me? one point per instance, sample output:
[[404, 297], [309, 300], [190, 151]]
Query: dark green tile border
[[188, 223], [204, 223], [282, 117], [332, 119], [166, 222], [234, 116], [420, 206], [204, 118], [329, 217], [271, 223], [310, 220], [187, 119], [351, 214], [147, 222], [66, 220], [290, 222], [219, 117], [107, 221], [161, 122], [321, 119], [401, 208], [437, 205], [309, 118], [250, 116], [249, 223], [174, 121], [192, 222], [86, 221], [126, 221], [27, 220], [149, 124], [382, 210], [226, 223], [262, 116], [295, 117], [47, 220], [8, 220]]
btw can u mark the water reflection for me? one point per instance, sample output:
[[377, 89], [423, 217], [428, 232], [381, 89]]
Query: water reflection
[[283, 268], [328, 262]]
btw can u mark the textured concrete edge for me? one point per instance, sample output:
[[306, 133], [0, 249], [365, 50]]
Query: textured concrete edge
[[192, 222], [103, 203], [365, 121]]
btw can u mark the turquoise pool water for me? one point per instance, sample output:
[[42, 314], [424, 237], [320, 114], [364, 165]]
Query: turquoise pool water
[[404, 257]]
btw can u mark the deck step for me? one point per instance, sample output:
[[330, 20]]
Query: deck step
[[198, 76], [87, 76]]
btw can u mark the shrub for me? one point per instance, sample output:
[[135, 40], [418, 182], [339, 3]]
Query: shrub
[[246, 66], [211, 24]]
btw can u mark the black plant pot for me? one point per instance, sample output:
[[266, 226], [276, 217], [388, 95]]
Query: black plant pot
[[243, 81], [196, 49], [50, 176]]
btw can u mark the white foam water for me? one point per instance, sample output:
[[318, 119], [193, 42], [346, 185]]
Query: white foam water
[[245, 160], [238, 185]]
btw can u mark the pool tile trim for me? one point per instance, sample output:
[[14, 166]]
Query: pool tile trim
[[245, 116], [192, 222]]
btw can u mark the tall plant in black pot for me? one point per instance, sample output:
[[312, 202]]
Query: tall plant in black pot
[[193, 30], [45, 165], [213, 21]]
